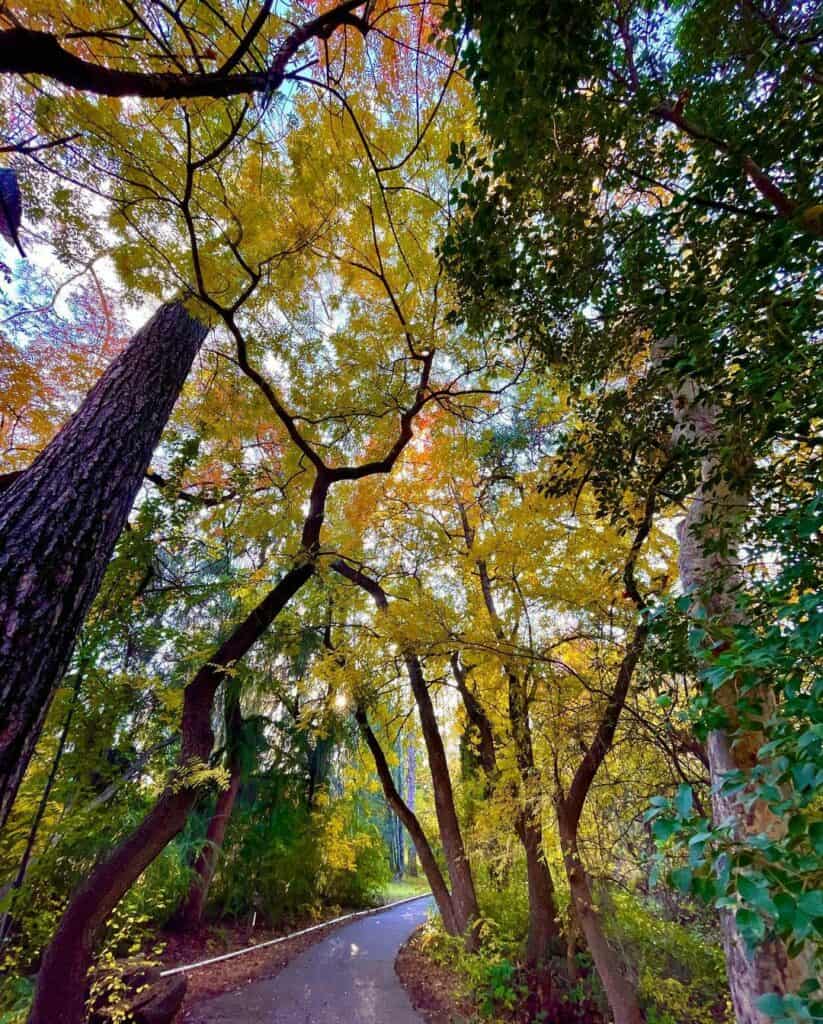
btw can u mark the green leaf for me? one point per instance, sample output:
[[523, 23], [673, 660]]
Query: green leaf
[[664, 828], [771, 1004], [681, 879], [684, 801], [811, 903]]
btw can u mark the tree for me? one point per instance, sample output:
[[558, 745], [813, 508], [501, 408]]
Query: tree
[[152, 194], [61, 518], [619, 227], [463, 899], [49, 48]]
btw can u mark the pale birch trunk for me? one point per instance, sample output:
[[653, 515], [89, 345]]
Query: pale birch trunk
[[710, 570]]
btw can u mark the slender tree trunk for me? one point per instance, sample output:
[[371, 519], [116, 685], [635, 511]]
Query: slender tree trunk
[[462, 882], [710, 570], [25, 860], [60, 520], [544, 930], [61, 984], [464, 897], [411, 796], [620, 992], [431, 868], [398, 853], [191, 915]]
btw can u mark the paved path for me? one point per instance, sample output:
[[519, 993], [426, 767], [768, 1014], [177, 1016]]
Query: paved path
[[347, 978]]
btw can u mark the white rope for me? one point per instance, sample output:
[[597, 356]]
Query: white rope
[[293, 935]]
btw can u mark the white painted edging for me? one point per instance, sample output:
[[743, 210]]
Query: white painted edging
[[293, 935]]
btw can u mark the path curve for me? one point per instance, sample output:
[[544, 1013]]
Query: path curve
[[347, 978]]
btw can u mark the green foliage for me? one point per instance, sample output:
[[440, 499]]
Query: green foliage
[[680, 971], [770, 880], [15, 999], [283, 859]]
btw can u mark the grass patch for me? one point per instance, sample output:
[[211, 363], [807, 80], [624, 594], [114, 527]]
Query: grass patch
[[403, 888]]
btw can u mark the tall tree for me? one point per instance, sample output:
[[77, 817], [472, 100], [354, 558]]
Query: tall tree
[[61, 517], [656, 194]]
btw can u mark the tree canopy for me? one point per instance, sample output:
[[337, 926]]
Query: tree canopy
[[410, 422]]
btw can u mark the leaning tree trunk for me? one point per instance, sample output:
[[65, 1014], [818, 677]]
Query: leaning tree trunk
[[619, 990], [60, 520], [191, 915], [61, 983], [434, 876], [411, 796], [464, 897], [711, 572]]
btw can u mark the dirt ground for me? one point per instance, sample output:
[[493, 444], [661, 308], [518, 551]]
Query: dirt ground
[[432, 989]]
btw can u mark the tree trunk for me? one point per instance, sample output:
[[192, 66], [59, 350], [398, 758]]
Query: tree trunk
[[544, 931], [463, 893], [191, 915], [431, 868], [60, 520], [464, 898], [411, 796], [25, 860], [61, 984], [710, 570], [619, 991]]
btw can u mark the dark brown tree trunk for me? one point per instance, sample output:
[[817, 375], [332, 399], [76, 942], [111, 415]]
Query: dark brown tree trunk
[[60, 520], [191, 915], [464, 898], [620, 992], [544, 927], [434, 876], [61, 984], [411, 796], [544, 930], [25, 860]]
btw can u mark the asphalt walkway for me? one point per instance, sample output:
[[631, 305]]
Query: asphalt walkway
[[347, 978]]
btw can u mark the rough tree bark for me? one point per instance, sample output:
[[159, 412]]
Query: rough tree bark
[[60, 520], [710, 570], [61, 984], [464, 898]]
